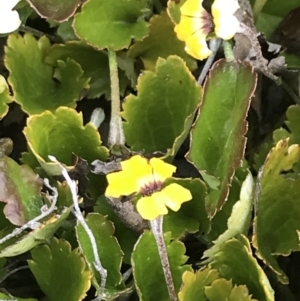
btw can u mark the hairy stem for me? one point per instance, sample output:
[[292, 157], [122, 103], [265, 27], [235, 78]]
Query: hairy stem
[[116, 134], [228, 51], [157, 230]]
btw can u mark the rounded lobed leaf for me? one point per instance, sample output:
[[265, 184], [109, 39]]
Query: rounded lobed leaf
[[34, 86], [86, 56], [62, 133], [111, 24], [57, 10], [68, 276], [164, 108]]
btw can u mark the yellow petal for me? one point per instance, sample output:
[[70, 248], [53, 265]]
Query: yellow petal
[[226, 24], [186, 27], [151, 207], [192, 8], [137, 166], [196, 46], [126, 181], [120, 183], [161, 170], [174, 195]]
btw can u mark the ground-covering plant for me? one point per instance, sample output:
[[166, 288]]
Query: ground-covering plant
[[149, 150]]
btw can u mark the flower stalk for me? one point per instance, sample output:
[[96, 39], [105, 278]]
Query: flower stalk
[[157, 230], [116, 133], [228, 51]]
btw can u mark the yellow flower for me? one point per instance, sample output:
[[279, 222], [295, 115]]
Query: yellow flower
[[196, 23], [146, 177]]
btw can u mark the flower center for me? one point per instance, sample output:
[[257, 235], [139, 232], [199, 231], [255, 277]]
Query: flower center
[[207, 22], [150, 188]]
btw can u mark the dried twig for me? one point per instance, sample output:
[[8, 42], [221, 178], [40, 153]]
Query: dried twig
[[77, 212]]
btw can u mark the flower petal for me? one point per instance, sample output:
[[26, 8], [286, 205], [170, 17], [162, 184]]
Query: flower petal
[[226, 24], [151, 207], [9, 21], [196, 46], [137, 166], [174, 195], [186, 27], [120, 183], [161, 170], [192, 8]]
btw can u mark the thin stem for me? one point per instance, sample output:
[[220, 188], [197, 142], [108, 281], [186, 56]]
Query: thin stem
[[116, 134], [24, 267], [214, 45], [39, 34], [228, 51], [157, 230], [77, 212]]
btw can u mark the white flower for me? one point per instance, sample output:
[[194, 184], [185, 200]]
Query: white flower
[[9, 18]]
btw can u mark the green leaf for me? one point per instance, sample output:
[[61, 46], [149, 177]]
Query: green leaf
[[278, 218], [194, 284], [62, 134], [94, 64], [57, 10], [12, 298], [146, 263], [66, 31], [174, 10], [164, 108], [239, 220], [31, 76], [273, 12], [219, 221], [126, 237], [223, 290], [20, 190], [192, 216], [161, 42], [5, 97], [61, 273], [108, 248], [292, 123], [111, 24], [258, 5], [218, 136], [292, 60], [20, 245], [236, 262]]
